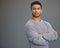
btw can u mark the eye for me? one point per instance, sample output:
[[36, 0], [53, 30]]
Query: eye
[[34, 8], [39, 8]]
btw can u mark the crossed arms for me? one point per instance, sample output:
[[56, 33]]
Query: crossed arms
[[41, 39]]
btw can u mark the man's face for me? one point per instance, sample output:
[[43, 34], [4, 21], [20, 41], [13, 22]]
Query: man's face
[[36, 10]]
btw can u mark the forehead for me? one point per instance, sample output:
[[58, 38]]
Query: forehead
[[36, 6]]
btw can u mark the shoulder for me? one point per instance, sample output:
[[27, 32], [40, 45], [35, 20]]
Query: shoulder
[[29, 23], [46, 22]]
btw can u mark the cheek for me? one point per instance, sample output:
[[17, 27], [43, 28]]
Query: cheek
[[33, 11], [39, 11]]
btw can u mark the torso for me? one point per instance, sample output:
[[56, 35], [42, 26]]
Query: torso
[[40, 26]]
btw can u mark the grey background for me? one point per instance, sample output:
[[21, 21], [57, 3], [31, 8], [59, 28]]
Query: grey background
[[15, 13]]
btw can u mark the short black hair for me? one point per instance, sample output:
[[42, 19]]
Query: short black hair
[[36, 2]]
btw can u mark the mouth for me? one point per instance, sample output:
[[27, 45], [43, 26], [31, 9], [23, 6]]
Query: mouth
[[36, 14]]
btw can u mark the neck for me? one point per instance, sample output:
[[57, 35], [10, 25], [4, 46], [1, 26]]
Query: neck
[[37, 19]]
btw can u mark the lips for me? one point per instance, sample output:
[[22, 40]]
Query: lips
[[36, 13]]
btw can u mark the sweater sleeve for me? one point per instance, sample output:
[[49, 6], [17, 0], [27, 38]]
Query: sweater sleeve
[[52, 35], [32, 35]]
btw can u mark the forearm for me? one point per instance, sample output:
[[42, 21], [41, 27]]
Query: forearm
[[50, 35]]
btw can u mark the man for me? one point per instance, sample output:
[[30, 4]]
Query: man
[[38, 31]]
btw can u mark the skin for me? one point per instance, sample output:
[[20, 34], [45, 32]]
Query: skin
[[36, 11]]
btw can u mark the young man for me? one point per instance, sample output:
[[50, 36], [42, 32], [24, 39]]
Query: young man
[[38, 31]]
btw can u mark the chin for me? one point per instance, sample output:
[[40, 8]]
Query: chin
[[36, 16]]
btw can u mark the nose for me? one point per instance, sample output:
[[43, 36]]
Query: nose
[[36, 10]]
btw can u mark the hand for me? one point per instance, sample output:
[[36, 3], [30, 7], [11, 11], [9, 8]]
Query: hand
[[49, 31], [40, 35]]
